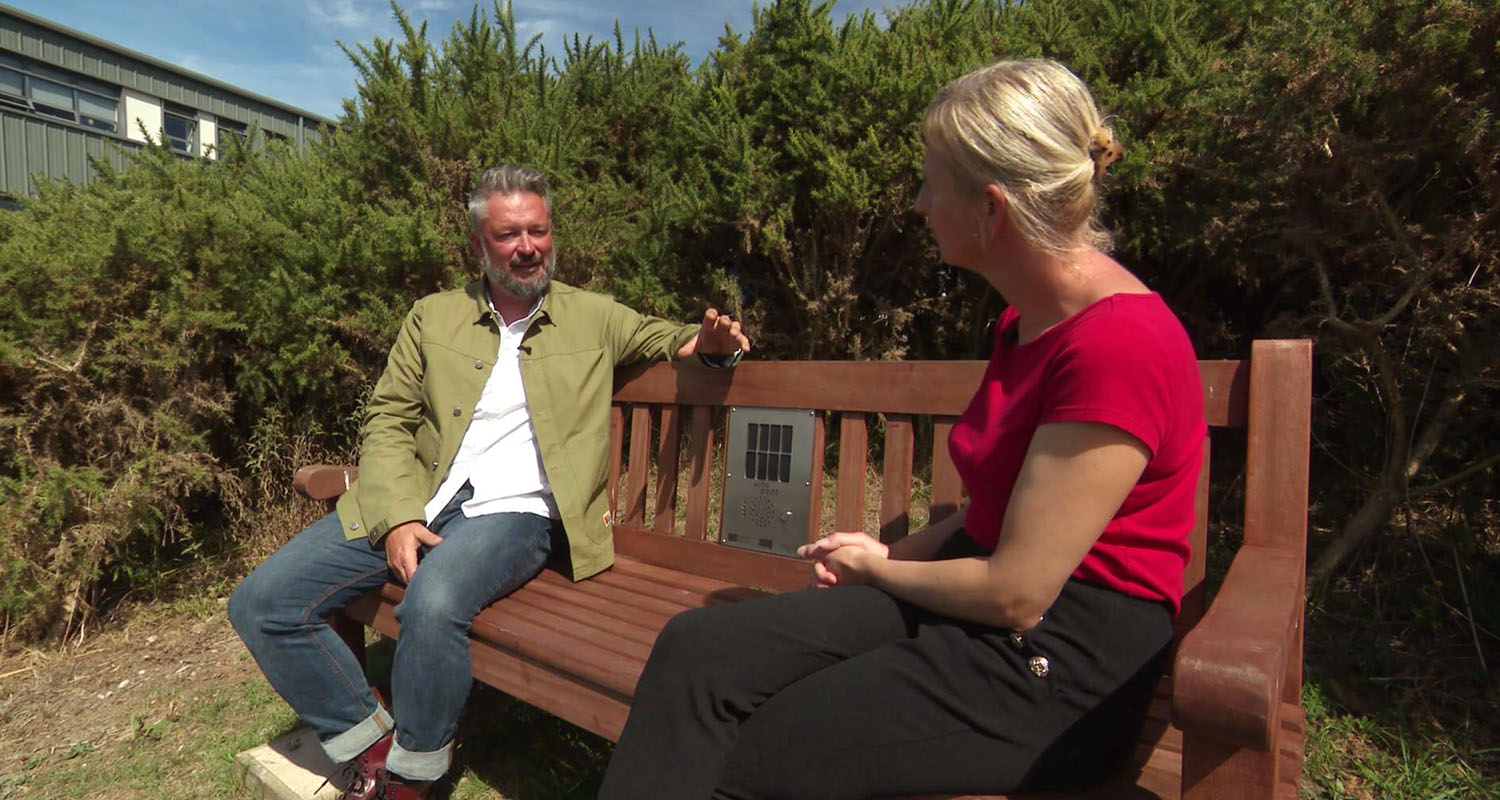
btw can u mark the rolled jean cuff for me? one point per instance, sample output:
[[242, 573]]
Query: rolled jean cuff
[[419, 766], [357, 739]]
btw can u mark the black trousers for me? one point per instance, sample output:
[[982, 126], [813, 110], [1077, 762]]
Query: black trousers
[[850, 693]]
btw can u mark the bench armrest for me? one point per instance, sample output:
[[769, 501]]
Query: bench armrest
[[1227, 680], [324, 481]]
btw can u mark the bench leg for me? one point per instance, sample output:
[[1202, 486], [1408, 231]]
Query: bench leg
[[352, 632]]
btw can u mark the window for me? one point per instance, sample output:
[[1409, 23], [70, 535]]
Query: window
[[28, 86], [181, 126], [230, 131]]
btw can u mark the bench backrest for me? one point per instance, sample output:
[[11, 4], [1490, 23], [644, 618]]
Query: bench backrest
[[671, 414]]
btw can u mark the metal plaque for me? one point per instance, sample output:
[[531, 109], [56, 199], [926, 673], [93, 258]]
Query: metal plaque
[[767, 481]]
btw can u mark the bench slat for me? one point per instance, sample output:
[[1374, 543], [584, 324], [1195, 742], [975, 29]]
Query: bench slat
[[683, 580], [612, 662], [1194, 592], [624, 615], [616, 447], [565, 696], [639, 467], [579, 615], [615, 594], [700, 461], [947, 489], [854, 439], [744, 567], [941, 388], [895, 479], [650, 589], [664, 517], [904, 387], [815, 482]]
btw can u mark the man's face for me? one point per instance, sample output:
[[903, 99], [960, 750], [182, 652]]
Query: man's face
[[514, 243]]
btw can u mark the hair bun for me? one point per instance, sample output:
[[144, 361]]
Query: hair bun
[[1104, 150]]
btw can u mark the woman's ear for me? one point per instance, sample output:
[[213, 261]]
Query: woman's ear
[[995, 210]]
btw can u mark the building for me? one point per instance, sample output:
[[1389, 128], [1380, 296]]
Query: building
[[66, 95]]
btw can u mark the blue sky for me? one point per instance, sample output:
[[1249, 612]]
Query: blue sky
[[286, 49]]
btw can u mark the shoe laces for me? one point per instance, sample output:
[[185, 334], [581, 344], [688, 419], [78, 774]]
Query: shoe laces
[[351, 776]]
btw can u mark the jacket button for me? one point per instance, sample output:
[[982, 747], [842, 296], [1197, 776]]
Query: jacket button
[[457, 412], [1039, 666], [478, 365], [434, 465], [354, 526]]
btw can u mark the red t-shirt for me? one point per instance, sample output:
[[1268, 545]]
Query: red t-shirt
[[1124, 361]]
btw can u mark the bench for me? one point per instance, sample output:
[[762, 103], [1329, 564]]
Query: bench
[[1227, 721]]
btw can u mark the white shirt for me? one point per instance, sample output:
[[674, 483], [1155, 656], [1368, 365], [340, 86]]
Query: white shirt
[[498, 454]]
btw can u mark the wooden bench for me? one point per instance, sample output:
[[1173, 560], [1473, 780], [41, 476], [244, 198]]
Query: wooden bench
[[1228, 720]]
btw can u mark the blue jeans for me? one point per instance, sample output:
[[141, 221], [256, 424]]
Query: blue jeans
[[282, 607]]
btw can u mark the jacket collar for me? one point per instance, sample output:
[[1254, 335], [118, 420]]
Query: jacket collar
[[478, 291]]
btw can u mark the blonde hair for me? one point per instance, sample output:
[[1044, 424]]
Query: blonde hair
[[1033, 128]]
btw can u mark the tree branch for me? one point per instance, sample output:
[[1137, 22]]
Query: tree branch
[[1432, 435], [1456, 478]]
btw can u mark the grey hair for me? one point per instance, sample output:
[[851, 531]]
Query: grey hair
[[506, 179]]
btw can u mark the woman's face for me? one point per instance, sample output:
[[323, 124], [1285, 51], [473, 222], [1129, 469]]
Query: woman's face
[[952, 213]]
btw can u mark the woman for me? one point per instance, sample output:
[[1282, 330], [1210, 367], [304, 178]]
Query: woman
[[1015, 644]]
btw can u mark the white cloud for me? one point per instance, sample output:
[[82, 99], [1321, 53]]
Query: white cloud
[[343, 13]]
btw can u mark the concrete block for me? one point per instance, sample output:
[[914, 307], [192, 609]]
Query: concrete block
[[289, 767]]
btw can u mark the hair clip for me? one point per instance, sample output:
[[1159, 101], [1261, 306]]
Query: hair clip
[[1104, 150]]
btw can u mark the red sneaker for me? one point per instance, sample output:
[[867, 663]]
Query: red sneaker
[[361, 777], [395, 788]]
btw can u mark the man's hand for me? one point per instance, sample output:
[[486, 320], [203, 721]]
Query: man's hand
[[720, 335], [401, 544], [842, 557]]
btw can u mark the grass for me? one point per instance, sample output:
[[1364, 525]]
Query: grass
[[176, 740], [1354, 756], [179, 741]]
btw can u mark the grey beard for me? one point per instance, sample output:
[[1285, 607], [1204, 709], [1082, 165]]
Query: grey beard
[[503, 278]]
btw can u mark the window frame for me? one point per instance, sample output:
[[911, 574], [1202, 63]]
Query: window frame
[[77, 86], [194, 128]]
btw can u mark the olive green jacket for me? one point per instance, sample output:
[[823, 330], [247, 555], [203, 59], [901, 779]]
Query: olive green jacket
[[437, 368]]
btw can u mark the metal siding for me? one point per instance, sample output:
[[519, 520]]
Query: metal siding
[[77, 152], [55, 145], [13, 151], [120, 156], [31, 146], [92, 146], [109, 69], [35, 159], [71, 57]]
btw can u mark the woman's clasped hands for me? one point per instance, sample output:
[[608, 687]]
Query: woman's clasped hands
[[844, 558]]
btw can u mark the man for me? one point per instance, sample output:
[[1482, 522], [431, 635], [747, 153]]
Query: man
[[484, 454]]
